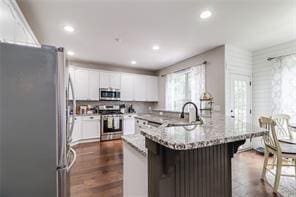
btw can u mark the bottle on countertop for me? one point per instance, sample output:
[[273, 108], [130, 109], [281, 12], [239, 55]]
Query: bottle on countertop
[[122, 108], [131, 109]]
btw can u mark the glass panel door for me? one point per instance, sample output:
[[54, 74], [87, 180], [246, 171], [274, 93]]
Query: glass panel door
[[241, 98], [241, 102]]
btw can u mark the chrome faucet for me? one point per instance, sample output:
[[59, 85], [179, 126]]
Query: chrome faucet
[[196, 110]]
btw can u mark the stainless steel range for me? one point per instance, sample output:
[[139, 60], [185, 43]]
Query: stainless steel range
[[111, 122]]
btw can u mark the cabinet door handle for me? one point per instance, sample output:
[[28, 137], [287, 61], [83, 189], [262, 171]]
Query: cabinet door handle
[[91, 117]]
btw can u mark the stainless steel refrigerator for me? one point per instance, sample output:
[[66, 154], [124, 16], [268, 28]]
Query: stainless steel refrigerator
[[35, 122]]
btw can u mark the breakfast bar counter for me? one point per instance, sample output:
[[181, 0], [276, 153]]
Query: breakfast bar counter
[[194, 160]]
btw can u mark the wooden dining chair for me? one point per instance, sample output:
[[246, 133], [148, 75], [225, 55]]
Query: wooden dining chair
[[282, 125], [278, 149]]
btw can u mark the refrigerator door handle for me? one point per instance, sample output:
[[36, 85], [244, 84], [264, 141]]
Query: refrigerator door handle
[[73, 160], [71, 129], [63, 183], [61, 106]]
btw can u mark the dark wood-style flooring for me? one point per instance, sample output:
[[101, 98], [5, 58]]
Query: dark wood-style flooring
[[98, 172]]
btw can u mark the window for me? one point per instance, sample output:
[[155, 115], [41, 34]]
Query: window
[[284, 86], [183, 86]]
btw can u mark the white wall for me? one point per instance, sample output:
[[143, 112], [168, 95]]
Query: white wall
[[262, 78], [215, 74], [237, 61]]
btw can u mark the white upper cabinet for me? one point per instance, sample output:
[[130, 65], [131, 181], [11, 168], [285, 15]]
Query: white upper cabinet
[[127, 87], [94, 84], [133, 87], [115, 81], [21, 36], [81, 84], [151, 88], [104, 80], [140, 88], [86, 83], [16, 28], [7, 22], [110, 80]]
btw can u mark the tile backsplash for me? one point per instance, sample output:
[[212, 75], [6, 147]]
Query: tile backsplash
[[140, 107]]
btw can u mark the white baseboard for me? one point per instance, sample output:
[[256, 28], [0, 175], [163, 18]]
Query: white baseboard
[[244, 149], [82, 141]]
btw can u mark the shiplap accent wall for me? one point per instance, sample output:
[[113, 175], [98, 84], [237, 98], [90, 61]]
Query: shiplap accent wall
[[237, 61], [262, 78]]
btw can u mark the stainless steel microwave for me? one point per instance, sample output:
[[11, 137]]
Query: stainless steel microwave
[[109, 94]]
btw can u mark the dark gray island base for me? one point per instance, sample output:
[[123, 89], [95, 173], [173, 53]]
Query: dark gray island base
[[190, 173], [195, 161]]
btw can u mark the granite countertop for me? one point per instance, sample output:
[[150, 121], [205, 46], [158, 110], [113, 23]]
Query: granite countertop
[[169, 121], [166, 111], [137, 141], [129, 114], [87, 115], [214, 131]]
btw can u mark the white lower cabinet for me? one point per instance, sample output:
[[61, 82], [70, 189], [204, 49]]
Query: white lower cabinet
[[86, 128], [90, 127], [128, 125], [76, 135]]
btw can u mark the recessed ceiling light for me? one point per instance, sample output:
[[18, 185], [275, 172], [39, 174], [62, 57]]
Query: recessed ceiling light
[[206, 14], [133, 62], [71, 53], [117, 40], [155, 47], [69, 28]]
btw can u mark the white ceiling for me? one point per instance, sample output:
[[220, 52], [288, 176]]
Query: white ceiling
[[174, 25]]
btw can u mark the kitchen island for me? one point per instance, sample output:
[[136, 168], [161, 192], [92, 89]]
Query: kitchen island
[[194, 160], [157, 118], [135, 174]]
